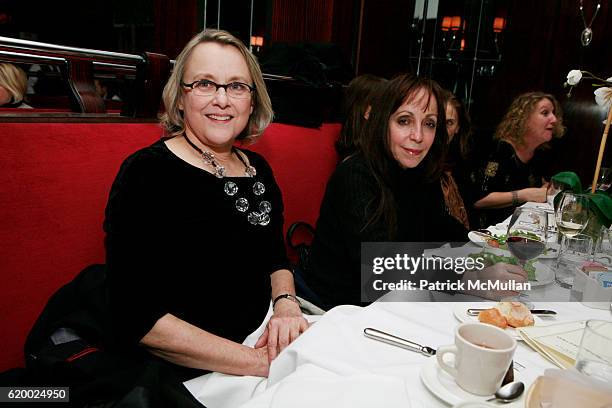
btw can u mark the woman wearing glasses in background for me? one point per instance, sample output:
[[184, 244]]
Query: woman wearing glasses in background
[[194, 224]]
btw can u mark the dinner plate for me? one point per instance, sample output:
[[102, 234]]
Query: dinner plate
[[460, 312], [480, 240], [443, 386]]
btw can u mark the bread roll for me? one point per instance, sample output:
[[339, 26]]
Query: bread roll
[[494, 317], [516, 314]]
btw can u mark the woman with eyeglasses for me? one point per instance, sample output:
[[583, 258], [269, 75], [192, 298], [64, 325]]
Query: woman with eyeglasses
[[193, 224]]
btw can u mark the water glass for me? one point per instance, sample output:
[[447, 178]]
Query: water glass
[[603, 245], [574, 251], [595, 353]]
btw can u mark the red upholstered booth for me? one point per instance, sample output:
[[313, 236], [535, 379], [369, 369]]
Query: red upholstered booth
[[55, 180]]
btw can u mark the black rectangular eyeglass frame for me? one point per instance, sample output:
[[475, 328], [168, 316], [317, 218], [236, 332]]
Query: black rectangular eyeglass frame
[[217, 86]]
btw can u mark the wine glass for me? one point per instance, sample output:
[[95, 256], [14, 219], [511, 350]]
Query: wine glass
[[527, 234], [605, 179], [572, 215]]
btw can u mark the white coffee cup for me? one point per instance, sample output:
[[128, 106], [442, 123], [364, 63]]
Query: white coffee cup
[[483, 354]]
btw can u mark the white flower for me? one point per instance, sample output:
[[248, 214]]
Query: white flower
[[574, 76], [603, 96]]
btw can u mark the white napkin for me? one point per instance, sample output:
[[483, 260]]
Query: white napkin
[[327, 389], [217, 390]]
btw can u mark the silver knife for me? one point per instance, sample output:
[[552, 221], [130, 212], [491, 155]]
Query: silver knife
[[474, 312], [398, 341]]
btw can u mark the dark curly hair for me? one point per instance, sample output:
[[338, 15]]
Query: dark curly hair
[[512, 126]]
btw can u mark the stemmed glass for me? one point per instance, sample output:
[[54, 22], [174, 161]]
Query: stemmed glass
[[527, 234], [605, 179], [572, 215]]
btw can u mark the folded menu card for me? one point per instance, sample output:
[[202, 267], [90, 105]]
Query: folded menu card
[[558, 343]]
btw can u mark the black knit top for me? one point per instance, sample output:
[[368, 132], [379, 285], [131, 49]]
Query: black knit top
[[176, 243], [334, 272]]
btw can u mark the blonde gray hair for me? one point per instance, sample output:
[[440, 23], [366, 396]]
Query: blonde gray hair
[[172, 119], [513, 126], [14, 80]]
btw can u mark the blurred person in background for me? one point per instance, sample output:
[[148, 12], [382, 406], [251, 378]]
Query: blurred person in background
[[356, 107], [454, 181], [13, 86]]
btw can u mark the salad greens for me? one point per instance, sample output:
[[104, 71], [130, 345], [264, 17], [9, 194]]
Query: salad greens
[[492, 259], [526, 234]]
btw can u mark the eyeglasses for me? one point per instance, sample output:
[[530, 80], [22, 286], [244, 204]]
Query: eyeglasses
[[205, 87]]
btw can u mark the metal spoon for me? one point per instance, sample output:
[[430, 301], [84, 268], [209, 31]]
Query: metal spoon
[[509, 392]]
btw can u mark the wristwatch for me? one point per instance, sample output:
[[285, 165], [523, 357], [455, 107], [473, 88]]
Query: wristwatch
[[286, 296]]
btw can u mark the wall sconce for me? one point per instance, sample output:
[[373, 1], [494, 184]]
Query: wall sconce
[[257, 41], [499, 24], [446, 23], [455, 23], [452, 26]]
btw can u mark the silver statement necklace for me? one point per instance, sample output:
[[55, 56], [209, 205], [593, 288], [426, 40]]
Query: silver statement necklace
[[587, 34], [258, 216]]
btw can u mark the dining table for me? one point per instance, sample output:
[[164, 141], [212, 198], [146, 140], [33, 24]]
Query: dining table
[[334, 364]]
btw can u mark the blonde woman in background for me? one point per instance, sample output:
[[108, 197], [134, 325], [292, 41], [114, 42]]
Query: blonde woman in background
[[13, 86], [513, 174]]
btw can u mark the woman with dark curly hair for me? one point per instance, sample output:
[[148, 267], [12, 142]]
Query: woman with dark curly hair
[[511, 175]]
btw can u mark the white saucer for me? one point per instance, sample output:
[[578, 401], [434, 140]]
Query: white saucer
[[460, 312], [443, 386]]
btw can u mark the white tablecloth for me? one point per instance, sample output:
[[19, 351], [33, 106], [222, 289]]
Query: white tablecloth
[[334, 365]]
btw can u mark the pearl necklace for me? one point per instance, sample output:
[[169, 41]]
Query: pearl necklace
[[261, 217], [587, 34]]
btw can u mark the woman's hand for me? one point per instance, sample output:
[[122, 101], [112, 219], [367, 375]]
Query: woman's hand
[[502, 272], [285, 325], [535, 194]]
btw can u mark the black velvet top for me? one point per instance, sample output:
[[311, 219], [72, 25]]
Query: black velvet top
[[504, 171], [334, 272], [176, 243]]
